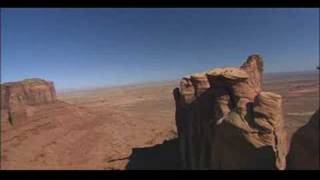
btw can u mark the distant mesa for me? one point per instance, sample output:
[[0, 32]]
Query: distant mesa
[[18, 98], [226, 121]]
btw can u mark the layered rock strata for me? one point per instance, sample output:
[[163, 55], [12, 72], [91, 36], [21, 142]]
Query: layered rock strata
[[18, 98], [226, 121]]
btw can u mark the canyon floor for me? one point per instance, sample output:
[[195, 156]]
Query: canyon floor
[[128, 127]]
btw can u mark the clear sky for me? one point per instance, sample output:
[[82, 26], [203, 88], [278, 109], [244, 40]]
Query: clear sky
[[83, 48]]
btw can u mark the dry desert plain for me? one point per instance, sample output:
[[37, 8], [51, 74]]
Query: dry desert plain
[[127, 127]]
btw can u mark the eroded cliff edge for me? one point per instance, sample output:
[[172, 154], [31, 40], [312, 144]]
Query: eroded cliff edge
[[226, 121], [18, 98]]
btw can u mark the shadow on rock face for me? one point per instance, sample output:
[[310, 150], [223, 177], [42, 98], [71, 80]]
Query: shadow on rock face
[[163, 156], [237, 153], [304, 150]]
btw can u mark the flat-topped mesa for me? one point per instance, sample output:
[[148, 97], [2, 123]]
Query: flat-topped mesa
[[225, 121], [18, 97]]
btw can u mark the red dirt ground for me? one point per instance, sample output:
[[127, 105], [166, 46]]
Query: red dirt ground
[[130, 127]]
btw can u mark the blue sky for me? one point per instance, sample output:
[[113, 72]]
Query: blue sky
[[84, 48]]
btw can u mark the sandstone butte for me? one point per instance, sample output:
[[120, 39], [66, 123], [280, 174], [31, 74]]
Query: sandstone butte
[[18, 98], [226, 121]]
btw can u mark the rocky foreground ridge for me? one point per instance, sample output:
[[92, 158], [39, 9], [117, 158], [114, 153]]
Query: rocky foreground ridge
[[305, 149], [18, 98], [226, 121]]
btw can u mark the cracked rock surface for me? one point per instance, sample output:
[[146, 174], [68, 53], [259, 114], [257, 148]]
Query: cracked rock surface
[[226, 121]]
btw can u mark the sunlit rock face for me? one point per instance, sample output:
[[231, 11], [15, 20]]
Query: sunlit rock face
[[226, 121], [17, 98]]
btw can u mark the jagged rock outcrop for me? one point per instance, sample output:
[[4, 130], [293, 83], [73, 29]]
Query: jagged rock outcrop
[[305, 149], [226, 121], [17, 98]]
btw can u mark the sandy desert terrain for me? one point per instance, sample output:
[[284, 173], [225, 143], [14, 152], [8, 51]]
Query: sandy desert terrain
[[128, 127]]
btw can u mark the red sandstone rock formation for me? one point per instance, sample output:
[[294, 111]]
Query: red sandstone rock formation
[[304, 149], [226, 121], [17, 98]]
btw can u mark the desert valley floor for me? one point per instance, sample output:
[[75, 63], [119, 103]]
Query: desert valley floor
[[129, 127]]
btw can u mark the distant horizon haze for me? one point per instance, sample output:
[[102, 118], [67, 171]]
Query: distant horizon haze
[[151, 82]]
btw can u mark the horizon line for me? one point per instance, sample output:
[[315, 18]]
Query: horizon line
[[64, 90]]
